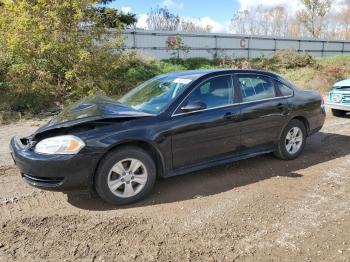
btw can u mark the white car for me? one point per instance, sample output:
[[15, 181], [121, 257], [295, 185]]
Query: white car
[[339, 98]]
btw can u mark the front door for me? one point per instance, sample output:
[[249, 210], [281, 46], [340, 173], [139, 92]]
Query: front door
[[211, 132]]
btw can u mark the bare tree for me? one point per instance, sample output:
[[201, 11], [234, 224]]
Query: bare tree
[[161, 19], [317, 19], [278, 20], [194, 27], [294, 28], [238, 25], [247, 22], [312, 17], [261, 20], [344, 19]]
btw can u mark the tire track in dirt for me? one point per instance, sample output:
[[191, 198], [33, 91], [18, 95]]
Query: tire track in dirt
[[319, 205]]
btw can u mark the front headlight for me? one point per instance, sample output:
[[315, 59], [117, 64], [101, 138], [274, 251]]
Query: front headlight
[[60, 145], [337, 98]]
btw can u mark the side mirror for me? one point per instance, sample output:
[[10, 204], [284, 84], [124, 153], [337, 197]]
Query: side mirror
[[193, 106]]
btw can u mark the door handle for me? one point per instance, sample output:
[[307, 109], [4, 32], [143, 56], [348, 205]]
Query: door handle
[[284, 108], [230, 115], [281, 106]]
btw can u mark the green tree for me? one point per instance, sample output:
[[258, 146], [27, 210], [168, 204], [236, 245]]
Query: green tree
[[54, 50], [313, 15], [176, 45], [113, 18]]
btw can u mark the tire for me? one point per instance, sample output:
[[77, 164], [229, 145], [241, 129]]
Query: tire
[[113, 182], [283, 150], [338, 113]]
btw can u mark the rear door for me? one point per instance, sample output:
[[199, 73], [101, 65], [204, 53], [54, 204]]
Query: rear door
[[263, 112]]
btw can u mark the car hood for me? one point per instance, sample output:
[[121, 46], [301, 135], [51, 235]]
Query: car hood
[[93, 108], [344, 84]]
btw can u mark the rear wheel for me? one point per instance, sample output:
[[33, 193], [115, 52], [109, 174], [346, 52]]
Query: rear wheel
[[292, 141], [338, 113], [125, 175]]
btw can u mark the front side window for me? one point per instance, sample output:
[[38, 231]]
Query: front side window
[[215, 92], [255, 87], [155, 95]]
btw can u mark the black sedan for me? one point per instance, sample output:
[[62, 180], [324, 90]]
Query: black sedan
[[170, 125]]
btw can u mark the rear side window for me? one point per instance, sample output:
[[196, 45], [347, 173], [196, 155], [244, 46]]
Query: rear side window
[[255, 87], [285, 90]]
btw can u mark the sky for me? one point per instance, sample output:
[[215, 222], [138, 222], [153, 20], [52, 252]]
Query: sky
[[216, 13]]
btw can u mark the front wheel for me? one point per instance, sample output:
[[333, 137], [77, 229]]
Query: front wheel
[[125, 176], [292, 141]]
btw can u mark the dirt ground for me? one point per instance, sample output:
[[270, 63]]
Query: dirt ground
[[262, 209]]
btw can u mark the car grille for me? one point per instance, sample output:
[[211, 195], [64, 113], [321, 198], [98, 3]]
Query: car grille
[[346, 99], [27, 142]]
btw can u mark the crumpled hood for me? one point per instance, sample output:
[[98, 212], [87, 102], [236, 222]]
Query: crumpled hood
[[89, 109]]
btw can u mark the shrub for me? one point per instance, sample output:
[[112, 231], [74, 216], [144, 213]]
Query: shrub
[[197, 63], [175, 46], [333, 74], [319, 83], [134, 70], [292, 59], [48, 53], [28, 101], [192, 63], [168, 67]]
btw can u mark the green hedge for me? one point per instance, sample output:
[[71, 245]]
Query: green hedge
[[115, 74]]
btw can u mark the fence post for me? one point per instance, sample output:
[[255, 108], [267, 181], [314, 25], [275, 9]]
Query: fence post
[[216, 47], [322, 49], [178, 47], [248, 47], [134, 39]]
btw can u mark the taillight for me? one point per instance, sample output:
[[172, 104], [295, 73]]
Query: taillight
[[323, 106], [322, 101]]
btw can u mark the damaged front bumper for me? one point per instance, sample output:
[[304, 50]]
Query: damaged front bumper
[[53, 172]]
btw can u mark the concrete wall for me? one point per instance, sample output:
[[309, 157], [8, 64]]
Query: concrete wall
[[153, 44]]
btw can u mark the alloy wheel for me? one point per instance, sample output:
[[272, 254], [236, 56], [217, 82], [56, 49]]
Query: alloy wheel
[[294, 140], [127, 178]]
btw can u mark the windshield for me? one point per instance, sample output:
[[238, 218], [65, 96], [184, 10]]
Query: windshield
[[155, 95]]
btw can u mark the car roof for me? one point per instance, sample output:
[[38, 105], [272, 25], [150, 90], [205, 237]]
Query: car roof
[[203, 72], [342, 83]]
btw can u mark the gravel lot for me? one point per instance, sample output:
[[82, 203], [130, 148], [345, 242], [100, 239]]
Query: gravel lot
[[262, 209]]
